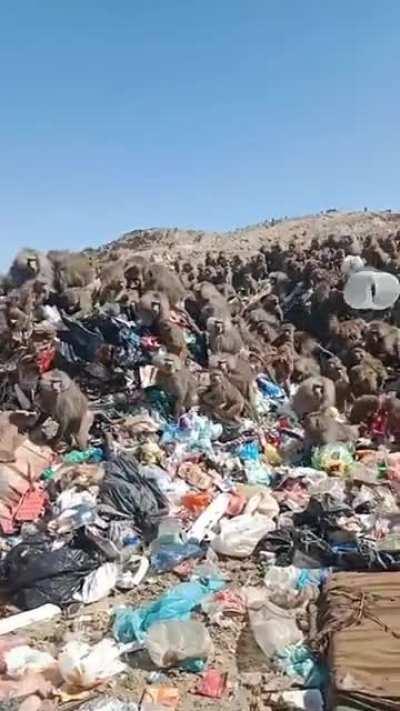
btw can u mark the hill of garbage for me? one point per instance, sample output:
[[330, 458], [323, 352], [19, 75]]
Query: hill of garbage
[[199, 470]]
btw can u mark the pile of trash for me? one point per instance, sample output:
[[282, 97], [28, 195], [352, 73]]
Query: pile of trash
[[199, 496]]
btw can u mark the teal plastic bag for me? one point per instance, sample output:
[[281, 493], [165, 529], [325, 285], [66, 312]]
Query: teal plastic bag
[[177, 604], [92, 455]]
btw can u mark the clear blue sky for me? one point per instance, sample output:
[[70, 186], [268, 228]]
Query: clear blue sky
[[118, 114]]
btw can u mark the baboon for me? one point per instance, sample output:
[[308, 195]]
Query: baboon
[[60, 398], [364, 408], [77, 301], [383, 341], [314, 394], [29, 265], [151, 308], [221, 399], [161, 278], [76, 270], [321, 428], [206, 302], [336, 371], [304, 367], [364, 380], [177, 381], [238, 370], [112, 281], [223, 336], [172, 337]]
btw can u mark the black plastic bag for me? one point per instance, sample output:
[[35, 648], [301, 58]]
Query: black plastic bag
[[34, 574], [126, 491], [85, 343]]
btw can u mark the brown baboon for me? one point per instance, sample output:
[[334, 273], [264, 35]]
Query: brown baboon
[[314, 394], [177, 381], [60, 398]]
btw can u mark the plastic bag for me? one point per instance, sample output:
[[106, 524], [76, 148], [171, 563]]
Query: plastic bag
[[174, 642], [169, 555], [334, 458], [297, 660], [308, 700], [258, 473], [273, 627], [93, 454], [36, 574], [22, 660], [108, 703], [98, 584], [239, 536], [270, 389], [249, 452], [128, 492], [196, 432], [83, 667], [176, 604]]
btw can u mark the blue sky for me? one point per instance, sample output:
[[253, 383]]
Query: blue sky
[[194, 113]]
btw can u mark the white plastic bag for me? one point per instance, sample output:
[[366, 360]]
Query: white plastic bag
[[274, 628], [83, 667], [98, 584], [239, 536], [175, 641], [24, 659]]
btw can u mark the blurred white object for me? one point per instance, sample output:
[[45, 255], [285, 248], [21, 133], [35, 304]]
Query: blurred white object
[[22, 660], [352, 264], [29, 617], [98, 584], [370, 289], [83, 667]]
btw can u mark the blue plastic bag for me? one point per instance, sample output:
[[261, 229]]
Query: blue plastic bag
[[169, 555], [249, 452], [269, 389]]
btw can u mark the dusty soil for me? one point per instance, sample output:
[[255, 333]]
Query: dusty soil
[[195, 243]]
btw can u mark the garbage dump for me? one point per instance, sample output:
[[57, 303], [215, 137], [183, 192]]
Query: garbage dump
[[200, 479]]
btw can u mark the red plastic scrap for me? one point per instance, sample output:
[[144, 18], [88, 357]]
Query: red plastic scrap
[[31, 506], [45, 359], [213, 684]]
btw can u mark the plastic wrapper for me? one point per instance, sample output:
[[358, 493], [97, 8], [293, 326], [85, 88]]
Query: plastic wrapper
[[239, 536], [177, 604], [83, 667], [174, 642]]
